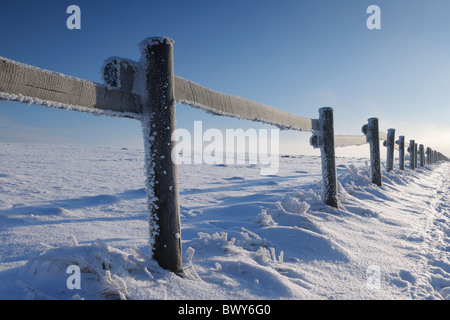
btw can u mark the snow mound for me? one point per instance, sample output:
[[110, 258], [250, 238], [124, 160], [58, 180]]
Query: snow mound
[[103, 270]]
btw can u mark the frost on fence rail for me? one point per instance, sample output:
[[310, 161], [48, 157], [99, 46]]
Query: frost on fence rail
[[356, 140], [192, 94], [32, 85]]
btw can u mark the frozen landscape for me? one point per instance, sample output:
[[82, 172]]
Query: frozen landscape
[[244, 236]]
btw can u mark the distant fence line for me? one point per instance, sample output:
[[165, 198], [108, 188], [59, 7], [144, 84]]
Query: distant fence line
[[148, 91]]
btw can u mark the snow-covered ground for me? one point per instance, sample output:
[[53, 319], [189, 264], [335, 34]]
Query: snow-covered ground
[[245, 236]]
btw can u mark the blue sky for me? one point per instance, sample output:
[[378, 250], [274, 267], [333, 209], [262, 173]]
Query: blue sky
[[294, 55]]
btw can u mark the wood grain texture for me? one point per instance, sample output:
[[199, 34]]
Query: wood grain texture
[[44, 86], [192, 94]]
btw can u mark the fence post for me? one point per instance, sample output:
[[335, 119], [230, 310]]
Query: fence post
[[373, 138], [390, 144], [162, 179], [422, 155], [415, 155], [326, 143], [401, 152], [412, 154]]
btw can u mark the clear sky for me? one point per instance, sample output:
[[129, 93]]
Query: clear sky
[[296, 55]]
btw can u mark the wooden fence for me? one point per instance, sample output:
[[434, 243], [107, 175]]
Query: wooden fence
[[148, 91]]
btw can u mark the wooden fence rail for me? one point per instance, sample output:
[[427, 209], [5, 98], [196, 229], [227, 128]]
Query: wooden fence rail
[[148, 91], [32, 85]]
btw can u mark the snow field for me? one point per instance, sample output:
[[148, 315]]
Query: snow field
[[244, 236]]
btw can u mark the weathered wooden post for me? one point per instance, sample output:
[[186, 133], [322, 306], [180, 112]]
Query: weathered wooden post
[[430, 156], [401, 152], [325, 140], [373, 138], [158, 125], [390, 144], [422, 155], [412, 154], [416, 153]]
